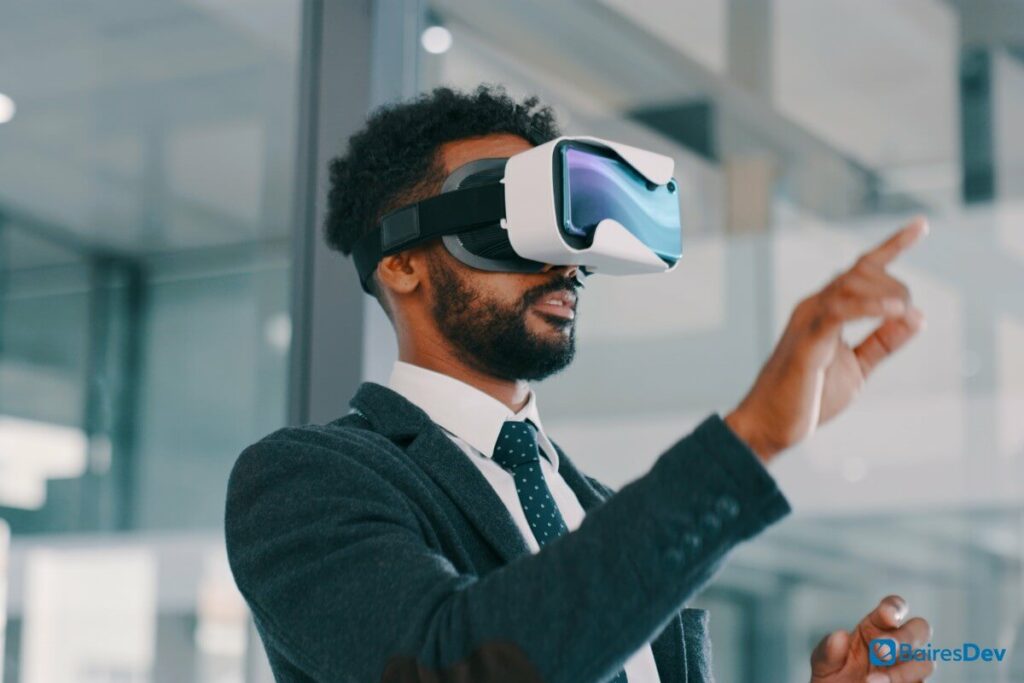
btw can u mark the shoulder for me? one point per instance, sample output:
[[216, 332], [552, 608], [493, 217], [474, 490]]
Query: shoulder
[[313, 450], [310, 489], [346, 436], [309, 471]]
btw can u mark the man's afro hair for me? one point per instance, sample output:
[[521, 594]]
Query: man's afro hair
[[393, 160]]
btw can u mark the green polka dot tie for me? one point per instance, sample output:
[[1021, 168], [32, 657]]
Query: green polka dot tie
[[517, 451]]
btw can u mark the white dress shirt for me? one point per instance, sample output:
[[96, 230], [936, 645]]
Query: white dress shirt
[[473, 419]]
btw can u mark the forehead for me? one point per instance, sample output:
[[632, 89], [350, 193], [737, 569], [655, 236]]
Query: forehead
[[458, 152]]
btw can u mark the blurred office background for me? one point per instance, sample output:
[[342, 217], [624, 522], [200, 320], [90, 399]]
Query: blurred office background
[[165, 299]]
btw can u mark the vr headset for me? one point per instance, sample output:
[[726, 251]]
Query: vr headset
[[601, 205]]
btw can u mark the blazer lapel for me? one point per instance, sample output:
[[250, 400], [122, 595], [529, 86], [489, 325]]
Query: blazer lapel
[[401, 421], [588, 495], [449, 466]]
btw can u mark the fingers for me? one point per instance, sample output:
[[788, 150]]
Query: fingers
[[871, 281], [903, 239], [917, 632], [830, 654], [887, 339], [865, 290], [887, 621], [889, 614]]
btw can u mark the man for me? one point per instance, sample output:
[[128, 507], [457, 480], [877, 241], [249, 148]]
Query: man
[[436, 532]]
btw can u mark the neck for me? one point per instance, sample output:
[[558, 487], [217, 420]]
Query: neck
[[513, 393]]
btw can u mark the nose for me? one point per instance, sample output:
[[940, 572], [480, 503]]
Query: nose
[[567, 271]]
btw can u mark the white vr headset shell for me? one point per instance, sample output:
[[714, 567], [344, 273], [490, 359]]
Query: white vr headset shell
[[531, 219]]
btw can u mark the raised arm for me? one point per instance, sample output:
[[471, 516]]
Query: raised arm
[[345, 579]]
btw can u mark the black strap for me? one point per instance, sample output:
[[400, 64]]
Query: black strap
[[444, 214]]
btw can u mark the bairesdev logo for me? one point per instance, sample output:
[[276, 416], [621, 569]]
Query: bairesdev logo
[[887, 652], [883, 651]]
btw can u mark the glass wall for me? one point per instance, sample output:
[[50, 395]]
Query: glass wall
[[146, 182], [803, 132]]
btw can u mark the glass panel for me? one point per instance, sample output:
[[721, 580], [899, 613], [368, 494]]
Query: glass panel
[[145, 189], [146, 181]]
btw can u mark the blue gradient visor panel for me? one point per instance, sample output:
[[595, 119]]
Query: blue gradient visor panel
[[597, 186]]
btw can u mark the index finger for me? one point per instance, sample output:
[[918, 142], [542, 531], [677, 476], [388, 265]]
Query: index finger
[[899, 242], [889, 614]]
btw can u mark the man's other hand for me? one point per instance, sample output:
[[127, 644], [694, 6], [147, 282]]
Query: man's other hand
[[844, 657], [812, 374]]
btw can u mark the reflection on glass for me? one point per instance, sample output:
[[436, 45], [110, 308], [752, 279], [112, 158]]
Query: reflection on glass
[[89, 615], [32, 452]]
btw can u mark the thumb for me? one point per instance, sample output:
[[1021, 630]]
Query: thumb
[[830, 654]]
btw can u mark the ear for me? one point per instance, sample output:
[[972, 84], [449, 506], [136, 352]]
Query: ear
[[401, 273]]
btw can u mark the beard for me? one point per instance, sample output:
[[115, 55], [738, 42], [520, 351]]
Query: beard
[[491, 335]]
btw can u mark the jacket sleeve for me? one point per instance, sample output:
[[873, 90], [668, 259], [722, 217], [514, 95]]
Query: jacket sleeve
[[345, 581]]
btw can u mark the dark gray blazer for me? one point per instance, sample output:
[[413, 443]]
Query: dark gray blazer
[[372, 549]]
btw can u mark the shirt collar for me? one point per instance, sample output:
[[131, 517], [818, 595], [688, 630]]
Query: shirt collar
[[463, 410]]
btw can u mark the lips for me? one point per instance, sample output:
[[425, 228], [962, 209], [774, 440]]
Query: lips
[[561, 304]]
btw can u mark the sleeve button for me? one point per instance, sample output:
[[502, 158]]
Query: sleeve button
[[710, 521], [727, 506], [676, 555]]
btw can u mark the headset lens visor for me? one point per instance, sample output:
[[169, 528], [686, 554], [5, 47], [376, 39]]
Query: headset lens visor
[[597, 185]]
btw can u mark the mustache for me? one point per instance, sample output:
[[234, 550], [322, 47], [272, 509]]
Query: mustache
[[560, 284]]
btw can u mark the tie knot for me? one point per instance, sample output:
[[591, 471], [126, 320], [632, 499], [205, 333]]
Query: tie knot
[[517, 444]]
